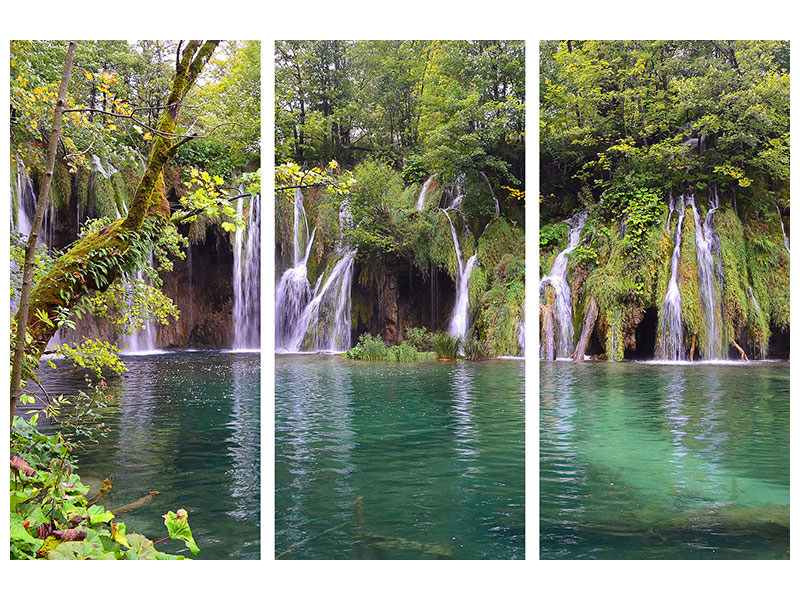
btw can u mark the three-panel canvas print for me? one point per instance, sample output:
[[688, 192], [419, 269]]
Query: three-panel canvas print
[[395, 333]]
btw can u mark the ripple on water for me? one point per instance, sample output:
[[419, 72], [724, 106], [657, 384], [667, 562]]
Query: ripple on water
[[435, 451]]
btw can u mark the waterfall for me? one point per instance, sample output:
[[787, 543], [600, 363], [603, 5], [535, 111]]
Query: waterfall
[[317, 320], [421, 200], [496, 201], [706, 243], [783, 229], [558, 279], [458, 194], [142, 341], [294, 291], [521, 335], [97, 163], [671, 322], [25, 207], [25, 201], [459, 320], [247, 279], [325, 321]]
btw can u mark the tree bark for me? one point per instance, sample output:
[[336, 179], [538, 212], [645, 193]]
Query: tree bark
[[33, 238], [586, 332], [741, 351], [70, 278]]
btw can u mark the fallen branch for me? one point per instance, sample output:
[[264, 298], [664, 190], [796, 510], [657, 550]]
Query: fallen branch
[[134, 505], [586, 332], [741, 350], [308, 539]]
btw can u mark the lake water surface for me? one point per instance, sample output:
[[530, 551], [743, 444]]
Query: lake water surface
[[664, 461], [185, 424], [398, 460]]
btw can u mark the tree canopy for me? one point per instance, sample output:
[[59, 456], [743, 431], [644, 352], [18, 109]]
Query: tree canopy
[[664, 115], [424, 106]]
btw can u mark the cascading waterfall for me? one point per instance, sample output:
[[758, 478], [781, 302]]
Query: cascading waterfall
[[318, 320], [458, 194], [783, 229], [294, 291], [706, 244], [142, 341], [324, 324], [25, 202], [247, 278], [671, 321], [459, 320], [421, 200], [25, 207], [558, 279], [491, 189]]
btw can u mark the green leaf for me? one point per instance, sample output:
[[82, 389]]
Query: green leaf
[[84, 550], [97, 514], [141, 548], [178, 528], [20, 496]]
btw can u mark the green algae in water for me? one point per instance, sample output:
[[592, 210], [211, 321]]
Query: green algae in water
[[664, 461]]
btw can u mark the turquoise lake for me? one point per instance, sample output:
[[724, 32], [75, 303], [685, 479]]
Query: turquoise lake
[[419, 460], [659, 461], [186, 424]]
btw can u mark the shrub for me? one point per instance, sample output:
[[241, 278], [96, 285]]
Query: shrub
[[51, 517], [420, 338], [445, 345], [369, 347], [405, 352], [472, 348]]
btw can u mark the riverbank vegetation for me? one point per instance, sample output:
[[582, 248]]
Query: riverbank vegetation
[[646, 137], [400, 193], [117, 170]]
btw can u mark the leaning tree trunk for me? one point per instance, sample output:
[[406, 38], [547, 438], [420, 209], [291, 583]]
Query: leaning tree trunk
[[586, 332], [33, 238], [96, 261]]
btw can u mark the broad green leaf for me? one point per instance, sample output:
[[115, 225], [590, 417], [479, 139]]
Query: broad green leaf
[[97, 514], [178, 528]]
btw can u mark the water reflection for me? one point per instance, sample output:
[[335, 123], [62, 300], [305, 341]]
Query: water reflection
[[398, 460], [187, 425]]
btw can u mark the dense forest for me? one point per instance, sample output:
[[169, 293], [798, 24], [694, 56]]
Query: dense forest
[[400, 202], [664, 199], [134, 214]]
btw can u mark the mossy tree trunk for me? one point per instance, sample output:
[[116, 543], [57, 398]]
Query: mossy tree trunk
[[30, 249], [105, 252]]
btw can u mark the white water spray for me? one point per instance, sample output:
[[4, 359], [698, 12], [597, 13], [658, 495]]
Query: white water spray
[[459, 320], [557, 278], [247, 278], [706, 277], [421, 200], [671, 321]]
